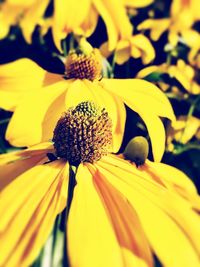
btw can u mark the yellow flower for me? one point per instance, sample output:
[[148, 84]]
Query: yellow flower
[[47, 95], [183, 14], [119, 213], [79, 17], [131, 45], [136, 46], [82, 17], [69, 16], [25, 13], [185, 74], [183, 129]]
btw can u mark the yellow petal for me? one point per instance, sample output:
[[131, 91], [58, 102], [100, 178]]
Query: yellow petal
[[137, 3], [89, 24], [84, 229], [118, 131], [21, 3], [68, 15], [32, 213], [14, 164], [35, 112], [141, 93], [180, 76], [8, 17], [17, 78], [5, 27], [122, 52], [191, 126], [119, 16], [191, 37], [156, 26], [10, 171], [173, 37], [32, 18], [149, 102], [167, 219], [147, 71], [131, 260], [125, 221], [105, 51], [143, 44], [176, 180], [112, 31], [195, 89], [21, 154]]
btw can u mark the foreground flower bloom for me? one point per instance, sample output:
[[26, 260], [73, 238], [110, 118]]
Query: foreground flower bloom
[[185, 74], [26, 84], [119, 213], [183, 14]]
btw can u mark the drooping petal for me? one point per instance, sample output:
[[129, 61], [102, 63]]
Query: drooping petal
[[34, 200], [142, 43], [122, 52], [118, 131], [156, 26], [32, 17], [142, 93], [120, 18], [110, 26], [149, 102], [168, 220], [87, 223], [68, 15], [80, 91], [89, 24], [156, 132], [28, 125], [8, 17]]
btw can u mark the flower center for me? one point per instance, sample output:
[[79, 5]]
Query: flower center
[[83, 66], [83, 134]]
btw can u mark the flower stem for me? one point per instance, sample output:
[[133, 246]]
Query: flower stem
[[4, 121], [71, 185]]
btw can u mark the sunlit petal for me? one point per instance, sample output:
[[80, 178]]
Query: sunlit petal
[[34, 220], [20, 132]]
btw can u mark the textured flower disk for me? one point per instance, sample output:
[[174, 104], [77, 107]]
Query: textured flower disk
[[83, 134], [82, 66]]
